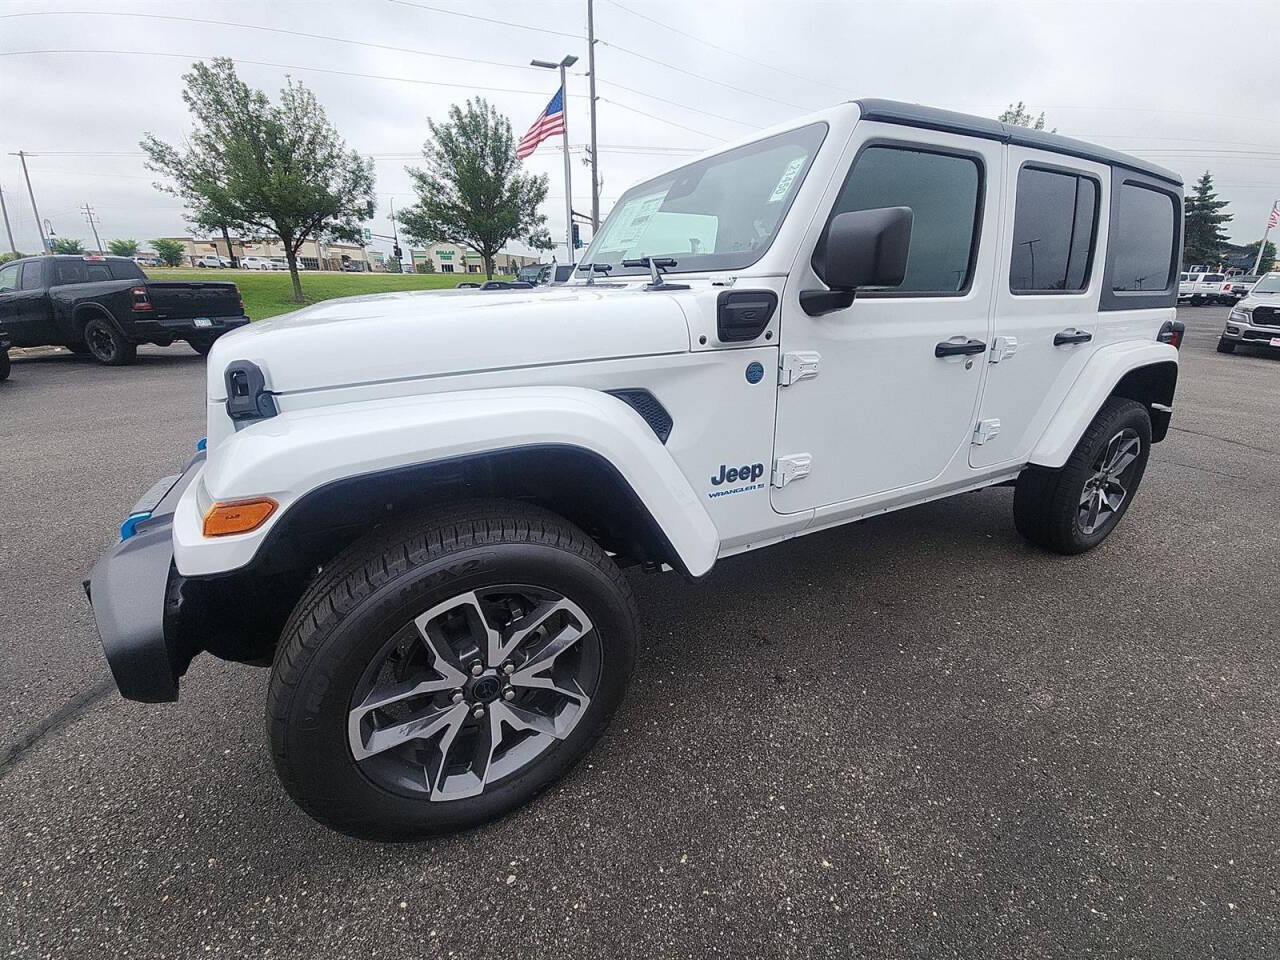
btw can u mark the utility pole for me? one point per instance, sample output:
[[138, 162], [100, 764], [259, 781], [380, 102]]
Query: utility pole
[[92, 219], [395, 240], [591, 72], [44, 244], [7, 229], [1257, 264]]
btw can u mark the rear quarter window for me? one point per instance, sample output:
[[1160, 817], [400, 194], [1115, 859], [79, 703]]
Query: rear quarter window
[[125, 270], [1143, 244]]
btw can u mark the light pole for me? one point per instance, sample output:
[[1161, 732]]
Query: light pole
[[563, 65], [44, 244], [591, 70], [1257, 264]]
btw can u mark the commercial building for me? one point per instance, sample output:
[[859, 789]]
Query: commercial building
[[314, 255], [452, 258]]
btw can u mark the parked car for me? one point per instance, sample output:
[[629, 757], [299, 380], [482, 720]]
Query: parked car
[[501, 285], [540, 273], [1202, 288], [146, 261], [211, 261], [419, 506], [5, 344], [1241, 284], [106, 306], [1256, 318], [257, 263]]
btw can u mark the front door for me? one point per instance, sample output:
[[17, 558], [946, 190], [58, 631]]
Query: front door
[[899, 372]]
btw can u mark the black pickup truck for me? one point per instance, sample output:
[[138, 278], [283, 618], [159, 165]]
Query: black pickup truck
[[106, 306]]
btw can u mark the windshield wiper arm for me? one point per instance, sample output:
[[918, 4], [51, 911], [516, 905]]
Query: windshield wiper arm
[[656, 267], [594, 268]]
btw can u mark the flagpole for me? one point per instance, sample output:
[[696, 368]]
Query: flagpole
[[1257, 264], [568, 188]]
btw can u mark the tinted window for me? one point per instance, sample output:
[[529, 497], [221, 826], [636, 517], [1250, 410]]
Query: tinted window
[[942, 191], [32, 273], [125, 270], [1054, 226], [1182, 277], [1214, 278], [1142, 239], [9, 277], [69, 271], [97, 271]]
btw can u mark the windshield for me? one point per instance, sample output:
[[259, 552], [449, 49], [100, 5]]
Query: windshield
[[720, 213], [1268, 284]]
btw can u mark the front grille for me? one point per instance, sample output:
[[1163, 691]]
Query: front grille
[[1265, 335], [1267, 316]]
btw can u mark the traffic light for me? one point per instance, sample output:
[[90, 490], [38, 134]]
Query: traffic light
[[577, 240], [396, 251]]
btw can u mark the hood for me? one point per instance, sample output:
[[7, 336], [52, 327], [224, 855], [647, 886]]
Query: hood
[[432, 333]]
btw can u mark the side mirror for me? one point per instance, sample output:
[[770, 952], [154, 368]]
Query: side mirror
[[862, 248]]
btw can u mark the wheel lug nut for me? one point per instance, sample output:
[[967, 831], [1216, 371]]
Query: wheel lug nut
[[457, 696], [508, 668], [478, 712], [508, 694], [477, 668]]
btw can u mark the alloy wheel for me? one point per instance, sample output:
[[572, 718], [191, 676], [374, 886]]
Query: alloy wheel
[[1107, 488], [473, 690]]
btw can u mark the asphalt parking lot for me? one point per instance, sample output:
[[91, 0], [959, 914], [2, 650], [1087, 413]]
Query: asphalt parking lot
[[913, 737]]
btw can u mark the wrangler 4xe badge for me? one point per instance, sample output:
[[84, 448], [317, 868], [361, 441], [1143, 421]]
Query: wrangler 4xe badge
[[747, 474]]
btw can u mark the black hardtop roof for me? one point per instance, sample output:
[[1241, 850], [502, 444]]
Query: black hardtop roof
[[931, 118]]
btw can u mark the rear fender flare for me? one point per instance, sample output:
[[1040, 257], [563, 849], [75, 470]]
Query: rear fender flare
[[1098, 381], [288, 456]]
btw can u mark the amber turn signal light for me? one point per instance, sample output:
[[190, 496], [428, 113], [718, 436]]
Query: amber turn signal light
[[239, 516]]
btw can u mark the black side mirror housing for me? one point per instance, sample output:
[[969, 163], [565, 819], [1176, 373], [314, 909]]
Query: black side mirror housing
[[862, 248]]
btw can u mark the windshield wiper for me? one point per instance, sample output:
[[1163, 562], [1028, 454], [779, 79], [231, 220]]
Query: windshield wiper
[[594, 268], [656, 265]]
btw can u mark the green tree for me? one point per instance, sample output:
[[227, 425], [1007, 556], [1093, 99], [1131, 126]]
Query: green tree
[[1020, 116], [471, 191], [123, 248], [1203, 234], [171, 252], [257, 167], [1268, 256], [67, 245], [10, 255]]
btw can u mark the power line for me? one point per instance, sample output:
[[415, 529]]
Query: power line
[[699, 76], [733, 53], [266, 29], [494, 20], [654, 116], [682, 106]]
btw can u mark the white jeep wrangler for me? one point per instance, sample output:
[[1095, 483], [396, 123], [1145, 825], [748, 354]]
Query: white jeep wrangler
[[417, 507]]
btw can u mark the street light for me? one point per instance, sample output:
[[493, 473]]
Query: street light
[[563, 65]]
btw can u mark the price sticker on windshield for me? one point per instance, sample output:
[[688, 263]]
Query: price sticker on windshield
[[787, 179]]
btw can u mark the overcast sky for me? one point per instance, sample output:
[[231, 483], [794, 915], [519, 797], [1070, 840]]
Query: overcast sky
[[1193, 86]]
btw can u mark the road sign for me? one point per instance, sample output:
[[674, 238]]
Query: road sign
[[368, 235]]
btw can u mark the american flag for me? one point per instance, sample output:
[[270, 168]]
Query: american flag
[[550, 122], [1274, 218]]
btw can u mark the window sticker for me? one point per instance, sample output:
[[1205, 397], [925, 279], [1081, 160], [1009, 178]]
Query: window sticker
[[787, 179], [632, 221]]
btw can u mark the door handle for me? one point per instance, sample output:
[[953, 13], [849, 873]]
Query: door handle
[[969, 347], [1071, 335]]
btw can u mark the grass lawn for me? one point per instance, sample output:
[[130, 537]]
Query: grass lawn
[[269, 292]]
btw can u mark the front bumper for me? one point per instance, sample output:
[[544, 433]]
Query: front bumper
[[1242, 331], [135, 604]]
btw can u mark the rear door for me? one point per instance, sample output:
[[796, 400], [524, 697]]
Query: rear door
[[1046, 298], [32, 321], [884, 411]]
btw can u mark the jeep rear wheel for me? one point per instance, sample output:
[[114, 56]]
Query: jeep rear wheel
[[1073, 509], [440, 675], [106, 344]]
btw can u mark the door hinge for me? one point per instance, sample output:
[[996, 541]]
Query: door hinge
[[985, 430], [1002, 348], [800, 365], [791, 467]]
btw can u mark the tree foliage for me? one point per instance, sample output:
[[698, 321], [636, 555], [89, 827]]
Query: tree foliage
[[10, 255], [1020, 116], [171, 252], [1268, 256], [1204, 235], [123, 248], [67, 245], [261, 168], [471, 190]]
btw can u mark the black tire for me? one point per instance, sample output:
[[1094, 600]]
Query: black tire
[[201, 347], [106, 344], [80, 349], [1226, 346], [376, 588], [1047, 504], [5, 364]]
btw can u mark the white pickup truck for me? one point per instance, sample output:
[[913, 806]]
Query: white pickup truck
[[1201, 288], [418, 507]]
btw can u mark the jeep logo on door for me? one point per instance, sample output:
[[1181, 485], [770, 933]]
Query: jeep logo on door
[[748, 474]]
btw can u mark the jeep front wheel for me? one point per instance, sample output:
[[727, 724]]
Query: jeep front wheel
[[439, 675], [1073, 509]]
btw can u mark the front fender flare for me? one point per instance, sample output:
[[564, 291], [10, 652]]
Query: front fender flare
[[289, 455], [1096, 382]]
